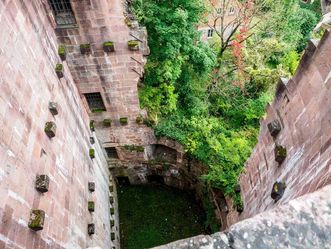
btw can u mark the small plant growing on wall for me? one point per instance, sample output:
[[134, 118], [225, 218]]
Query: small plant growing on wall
[[278, 190], [108, 47], [107, 122], [90, 205], [85, 48], [59, 70], [37, 218], [92, 128], [50, 129], [123, 121], [62, 52], [92, 153], [133, 45], [280, 154]]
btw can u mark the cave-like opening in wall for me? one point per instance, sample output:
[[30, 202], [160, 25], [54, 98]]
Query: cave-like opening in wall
[[160, 195]]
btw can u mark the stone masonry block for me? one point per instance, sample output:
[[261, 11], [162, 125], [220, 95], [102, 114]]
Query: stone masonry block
[[274, 128], [42, 183], [50, 129], [37, 218]]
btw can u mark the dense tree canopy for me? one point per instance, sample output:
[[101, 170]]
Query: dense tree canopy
[[203, 98]]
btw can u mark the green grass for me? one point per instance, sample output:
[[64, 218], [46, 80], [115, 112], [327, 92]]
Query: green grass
[[156, 215]]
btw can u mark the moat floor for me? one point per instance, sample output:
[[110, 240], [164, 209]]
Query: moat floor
[[156, 215]]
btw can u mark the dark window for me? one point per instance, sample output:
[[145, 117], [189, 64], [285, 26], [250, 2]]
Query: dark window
[[210, 33], [95, 102], [63, 12], [111, 152]]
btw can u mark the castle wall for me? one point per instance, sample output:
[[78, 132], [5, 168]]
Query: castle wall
[[303, 107], [28, 55]]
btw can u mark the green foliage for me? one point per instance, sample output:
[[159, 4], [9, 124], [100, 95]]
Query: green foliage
[[157, 215], [189, 88]]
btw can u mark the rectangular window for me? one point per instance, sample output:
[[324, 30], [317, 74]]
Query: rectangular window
[[63, 12], [231, 10], [111, 152], [95, 102], [210, 33]]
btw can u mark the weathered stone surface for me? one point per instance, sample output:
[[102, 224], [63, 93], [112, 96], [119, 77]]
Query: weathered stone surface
[[301, 224], [303, 108], [42, 183]]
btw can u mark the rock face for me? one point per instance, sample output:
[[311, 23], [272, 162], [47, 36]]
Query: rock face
[[301, 224]]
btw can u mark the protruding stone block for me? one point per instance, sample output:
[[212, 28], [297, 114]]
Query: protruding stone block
[[111, 199], [133, 45], [112, 236], [274, 128], [92, 153], [92, 128], [91, 186], [50, 129], [112, 222], [280, 153], [91, 206], [52, 107], [108, 47], [62, 52], [278, 190], [112, 210], [124, 121], [92, 141], [59, 70], [107, 122], [85, 48], [37, 218], [42, 183], [91, 229], [140, 119]]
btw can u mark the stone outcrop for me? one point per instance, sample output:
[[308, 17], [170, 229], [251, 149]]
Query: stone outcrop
[[300, 224]]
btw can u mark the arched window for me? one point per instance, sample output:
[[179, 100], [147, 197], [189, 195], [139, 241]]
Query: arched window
[[63, 12]]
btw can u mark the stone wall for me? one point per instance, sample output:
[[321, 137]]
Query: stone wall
[[115, 74], [302, 107], [28, 55], [302, 223]]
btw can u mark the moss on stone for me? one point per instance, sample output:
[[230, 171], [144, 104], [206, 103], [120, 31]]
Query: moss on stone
[[61, 50], [112, 210], [112, 222], [124, 121], [37, 218], [92, 128], [113, 236], [108, 44], [136, 148], [92, 153], [107, 122], [140, 119], [59, 68], [133, 45], [111, 188], [50, 129], [85, 46], [90, 205]]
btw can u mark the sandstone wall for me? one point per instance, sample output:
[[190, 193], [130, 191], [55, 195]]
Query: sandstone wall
[[28, 55], [114, 74], [303, 107]]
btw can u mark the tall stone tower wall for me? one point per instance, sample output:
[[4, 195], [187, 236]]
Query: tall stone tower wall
[[28, 82], [302, 107]]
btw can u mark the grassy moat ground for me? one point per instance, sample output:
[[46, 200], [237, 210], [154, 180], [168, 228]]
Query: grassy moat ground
[[154, 215]]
